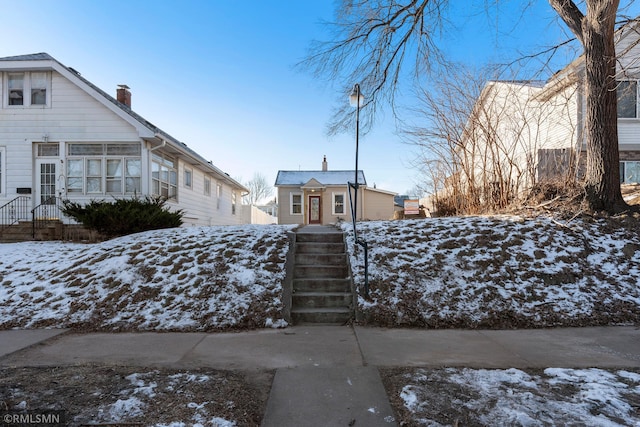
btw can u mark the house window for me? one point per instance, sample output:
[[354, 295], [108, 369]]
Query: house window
[[48, 150], [218, 195], [296, 203], [233, 203], [338, 203], [629, 172], [27, 89], [188, 178], [207, 186], [16, 89], [38, 88], [164, 176], [103, 168], [627, 92]]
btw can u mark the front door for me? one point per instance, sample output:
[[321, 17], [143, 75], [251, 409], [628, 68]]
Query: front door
[[46, 179], [315, 211]]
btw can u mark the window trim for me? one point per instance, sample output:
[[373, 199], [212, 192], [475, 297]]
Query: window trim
[[219, 191], [207, 186], [164, 162], [291, 204], [637, 106], [623, 172], [187, 182], [344, 203], [234, 202], [104, 157], [26, 89]]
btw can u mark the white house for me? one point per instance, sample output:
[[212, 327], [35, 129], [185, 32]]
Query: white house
[[523, 132], [63, 137]]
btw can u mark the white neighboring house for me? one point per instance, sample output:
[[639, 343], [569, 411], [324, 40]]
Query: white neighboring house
[[62, 136], [529, 131]]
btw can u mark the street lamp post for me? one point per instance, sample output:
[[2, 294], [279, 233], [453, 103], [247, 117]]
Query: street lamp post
[[355, 99]]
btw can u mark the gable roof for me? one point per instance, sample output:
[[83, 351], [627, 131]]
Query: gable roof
[[300, 178], [146, 129]]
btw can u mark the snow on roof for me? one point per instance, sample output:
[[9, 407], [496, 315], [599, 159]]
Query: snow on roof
[[300, 178]]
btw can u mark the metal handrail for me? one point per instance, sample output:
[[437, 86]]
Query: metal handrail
[[14, 211], [358, 240], [49, 210]]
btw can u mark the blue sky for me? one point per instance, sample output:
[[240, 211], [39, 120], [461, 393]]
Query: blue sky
[[219, 74]]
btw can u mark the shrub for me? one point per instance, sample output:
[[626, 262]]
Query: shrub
[[124, 216]]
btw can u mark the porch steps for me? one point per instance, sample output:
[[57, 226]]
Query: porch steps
[[23, 232], [321, 281]]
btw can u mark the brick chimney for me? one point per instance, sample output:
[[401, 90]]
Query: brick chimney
[[324, 164], [123, 95]]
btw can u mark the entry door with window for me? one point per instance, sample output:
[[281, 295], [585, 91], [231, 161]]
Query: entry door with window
[[315, 211], [46, 182]]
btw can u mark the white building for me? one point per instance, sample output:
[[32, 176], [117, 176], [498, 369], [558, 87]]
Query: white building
[[62, 137]]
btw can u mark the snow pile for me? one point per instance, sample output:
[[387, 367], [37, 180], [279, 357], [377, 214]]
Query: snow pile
[[501, 271], [198, 278]]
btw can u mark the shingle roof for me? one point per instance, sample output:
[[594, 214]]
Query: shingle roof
[[156, 130], [299, 178], [30, 57]]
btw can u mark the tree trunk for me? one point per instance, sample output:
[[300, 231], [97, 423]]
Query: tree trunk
[[602, 184]]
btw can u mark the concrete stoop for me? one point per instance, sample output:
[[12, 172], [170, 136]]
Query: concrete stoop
[[321, 279]]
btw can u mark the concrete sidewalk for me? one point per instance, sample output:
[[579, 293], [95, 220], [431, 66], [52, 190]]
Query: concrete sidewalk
[[330, 346], [327, 375]]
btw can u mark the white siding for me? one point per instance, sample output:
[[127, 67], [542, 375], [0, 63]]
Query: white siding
[[73, 116]]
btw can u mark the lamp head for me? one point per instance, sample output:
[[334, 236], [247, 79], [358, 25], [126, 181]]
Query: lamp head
[[356, 98]]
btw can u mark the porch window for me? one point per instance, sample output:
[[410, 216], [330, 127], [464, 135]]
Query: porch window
[[627, 92], [164, 177], [296, 204], [630, 172], [104, 168], [338, 203]]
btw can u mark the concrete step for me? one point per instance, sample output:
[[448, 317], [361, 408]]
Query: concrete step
[[328, 315], [319, 237], [319, 248], [321, 272], [321, 259], [322, 285], [322, 299]]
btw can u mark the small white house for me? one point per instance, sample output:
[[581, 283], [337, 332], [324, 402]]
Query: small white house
[[61, 137]]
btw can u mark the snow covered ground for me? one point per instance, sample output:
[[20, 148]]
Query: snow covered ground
[[198, 278], [498, 272], [441, 272], [512, 397]]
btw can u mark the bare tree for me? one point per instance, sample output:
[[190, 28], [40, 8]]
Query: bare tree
[[259, 189], [378, 43], [480, 139]]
